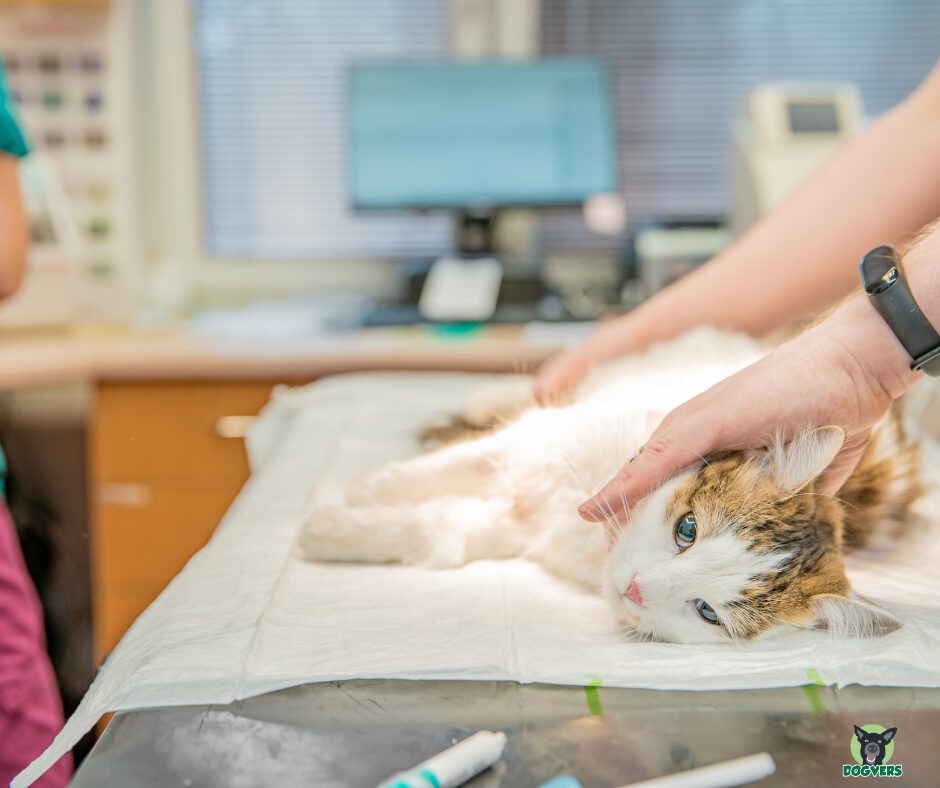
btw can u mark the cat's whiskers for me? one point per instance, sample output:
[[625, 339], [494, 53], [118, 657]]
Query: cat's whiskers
[[635, 630], [623, 499], [826, 495], [707, 464], [608, 514]]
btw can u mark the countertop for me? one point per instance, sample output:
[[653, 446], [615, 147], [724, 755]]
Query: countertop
[[43, 358]]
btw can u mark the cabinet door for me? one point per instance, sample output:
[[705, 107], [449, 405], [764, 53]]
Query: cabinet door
[[167, 459]]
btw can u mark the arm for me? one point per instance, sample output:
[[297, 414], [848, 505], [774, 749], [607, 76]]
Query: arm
[[13, 228], [845, 370], [879, 188]]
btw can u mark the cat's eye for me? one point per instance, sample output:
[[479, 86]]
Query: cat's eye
[[686, 529], [706, 611]]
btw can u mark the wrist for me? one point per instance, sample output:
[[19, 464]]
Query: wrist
[[613, 338], [646, 324], [922, 266], [870, 346]]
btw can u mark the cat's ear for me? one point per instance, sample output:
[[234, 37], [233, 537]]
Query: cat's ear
[[795, 464], [851, 616]]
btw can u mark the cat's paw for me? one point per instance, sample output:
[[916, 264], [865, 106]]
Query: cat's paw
[[371, 490], [374, 535], [386, 487], [326, 536]]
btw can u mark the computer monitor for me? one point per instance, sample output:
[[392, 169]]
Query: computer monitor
[[479, 135]]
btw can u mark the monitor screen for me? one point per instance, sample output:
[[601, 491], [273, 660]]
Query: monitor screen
[[484, 134], [813, 117]]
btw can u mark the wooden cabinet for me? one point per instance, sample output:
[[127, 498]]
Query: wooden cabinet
[[167, 459]]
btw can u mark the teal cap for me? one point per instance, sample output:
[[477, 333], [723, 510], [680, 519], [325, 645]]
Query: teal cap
[[562, 781]]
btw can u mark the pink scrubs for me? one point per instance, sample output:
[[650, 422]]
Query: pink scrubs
[[30, 709]]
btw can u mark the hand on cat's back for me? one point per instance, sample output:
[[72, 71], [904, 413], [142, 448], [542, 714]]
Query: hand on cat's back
[[844, 371]]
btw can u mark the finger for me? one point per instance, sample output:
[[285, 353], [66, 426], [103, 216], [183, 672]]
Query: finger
[[844, 464], [543, 385], [665, 455], [553, 383], [544, 389]]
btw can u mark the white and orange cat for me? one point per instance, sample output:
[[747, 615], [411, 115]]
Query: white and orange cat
[[741, 546]]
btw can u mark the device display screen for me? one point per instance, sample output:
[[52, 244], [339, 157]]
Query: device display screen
[[491, 134], [813, 117]]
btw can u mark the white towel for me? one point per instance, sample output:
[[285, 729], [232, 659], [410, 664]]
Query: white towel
[[246, 616]]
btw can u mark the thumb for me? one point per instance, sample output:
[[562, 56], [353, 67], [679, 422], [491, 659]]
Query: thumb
[[660, 459], [845, 463]]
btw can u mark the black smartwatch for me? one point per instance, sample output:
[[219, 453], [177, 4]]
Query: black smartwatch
[[884, 281]]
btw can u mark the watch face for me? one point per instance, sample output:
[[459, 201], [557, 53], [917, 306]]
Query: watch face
[[880, 269], [883, 282]]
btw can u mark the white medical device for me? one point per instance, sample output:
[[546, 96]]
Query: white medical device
[[783, 135]]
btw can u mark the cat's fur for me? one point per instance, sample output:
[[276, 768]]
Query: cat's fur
[[769, 548]]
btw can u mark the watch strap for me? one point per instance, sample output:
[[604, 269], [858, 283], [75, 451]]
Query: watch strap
[[886, 285], [929, 363]]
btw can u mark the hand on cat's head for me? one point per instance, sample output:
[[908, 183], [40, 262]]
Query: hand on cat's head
[[740, 547], [807, 381]]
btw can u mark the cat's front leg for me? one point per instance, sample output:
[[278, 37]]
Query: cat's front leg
[[464, 469], [367, 534], [443, 533]]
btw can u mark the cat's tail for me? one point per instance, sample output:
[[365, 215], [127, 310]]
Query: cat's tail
[[881, 490]]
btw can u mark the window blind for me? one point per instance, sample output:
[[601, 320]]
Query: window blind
[[681, 68], [271, 78]]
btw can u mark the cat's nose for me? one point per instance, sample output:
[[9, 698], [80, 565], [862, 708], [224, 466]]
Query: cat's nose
[[633, 592]]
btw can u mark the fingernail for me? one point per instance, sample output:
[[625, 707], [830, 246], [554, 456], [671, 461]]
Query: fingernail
[[589, 511]]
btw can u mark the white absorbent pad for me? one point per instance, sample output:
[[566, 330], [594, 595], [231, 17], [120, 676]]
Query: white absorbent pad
[[246, 616]]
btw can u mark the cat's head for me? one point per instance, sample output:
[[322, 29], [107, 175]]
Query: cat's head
[[742, 546]]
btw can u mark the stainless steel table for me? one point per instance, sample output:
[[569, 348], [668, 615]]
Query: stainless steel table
[[356, 733]]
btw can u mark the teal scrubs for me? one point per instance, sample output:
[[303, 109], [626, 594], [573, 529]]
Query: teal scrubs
[[12, 140]]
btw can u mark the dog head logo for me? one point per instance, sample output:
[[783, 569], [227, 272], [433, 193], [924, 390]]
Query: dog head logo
[[872, 748], [873, 744]]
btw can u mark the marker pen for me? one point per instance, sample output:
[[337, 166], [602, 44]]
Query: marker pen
[[751, 768], [748, 769], [455, 765]]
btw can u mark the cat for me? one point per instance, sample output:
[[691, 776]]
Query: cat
[[739, 547]]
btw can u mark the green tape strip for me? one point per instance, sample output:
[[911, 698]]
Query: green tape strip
[[813, 677], [593, 696], [811, 693], [814, 698]]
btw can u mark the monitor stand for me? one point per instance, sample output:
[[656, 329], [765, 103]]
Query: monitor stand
[[465, 287]]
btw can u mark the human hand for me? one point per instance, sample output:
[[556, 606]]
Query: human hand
[[621, 336], [559, 375], [844, 371]]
